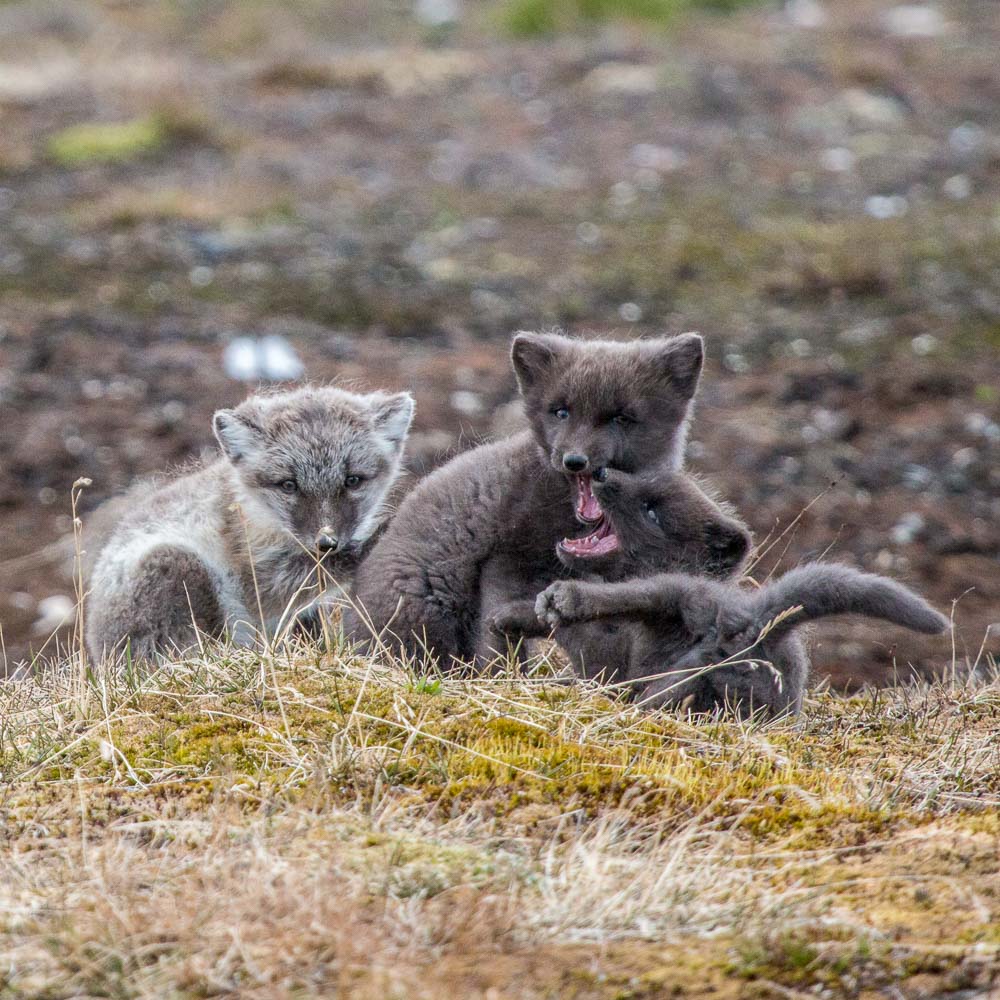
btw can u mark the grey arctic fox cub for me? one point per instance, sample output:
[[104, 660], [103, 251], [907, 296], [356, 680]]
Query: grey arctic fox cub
[[238, 543], [480, 532], [673, 624]]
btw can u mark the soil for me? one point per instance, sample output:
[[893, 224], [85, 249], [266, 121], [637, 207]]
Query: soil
[[393, 200]]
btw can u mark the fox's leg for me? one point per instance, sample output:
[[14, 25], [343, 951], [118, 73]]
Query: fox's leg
[[159, 608], [656, 597], [507, 591], [417, 615], [516, 619]]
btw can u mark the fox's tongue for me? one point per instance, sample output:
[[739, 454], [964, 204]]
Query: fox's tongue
[[587, 507]]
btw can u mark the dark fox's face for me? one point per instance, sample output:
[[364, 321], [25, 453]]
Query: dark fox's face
[[601, 404], [656, 522], [316, 463]]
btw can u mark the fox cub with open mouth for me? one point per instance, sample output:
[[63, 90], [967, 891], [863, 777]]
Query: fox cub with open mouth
[[251, 539], [674, 627], [481, 531]]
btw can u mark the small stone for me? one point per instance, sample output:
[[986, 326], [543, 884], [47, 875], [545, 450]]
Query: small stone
[[917, 477], [805, 13], [924, 344], [631, 312], [468, 403], [958, 188], [54, 612], [872, 109], [437, 13], [664, 159], [623, 78], [271, 359], [908, 528], [913, 20], [201, 277], [886, 206], [837, 159], [966, 138], [623, 194]]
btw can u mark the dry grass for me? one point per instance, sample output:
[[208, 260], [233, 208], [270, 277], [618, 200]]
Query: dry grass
[[316, 822]]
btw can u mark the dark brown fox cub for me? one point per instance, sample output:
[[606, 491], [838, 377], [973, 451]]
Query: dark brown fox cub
[[481, 531], [678, 623]]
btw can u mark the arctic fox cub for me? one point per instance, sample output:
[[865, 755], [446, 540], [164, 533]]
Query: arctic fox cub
[[482, 530], [674, 625], [249, 539]]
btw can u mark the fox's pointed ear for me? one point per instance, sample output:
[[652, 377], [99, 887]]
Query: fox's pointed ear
[[532, 355], [236, 433], [393, 416], [681, 359]]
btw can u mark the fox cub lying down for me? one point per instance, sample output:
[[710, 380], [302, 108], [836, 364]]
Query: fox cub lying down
[[252, 538], [672, 625]]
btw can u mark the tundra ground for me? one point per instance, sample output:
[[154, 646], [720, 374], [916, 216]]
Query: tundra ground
[[297, 823]]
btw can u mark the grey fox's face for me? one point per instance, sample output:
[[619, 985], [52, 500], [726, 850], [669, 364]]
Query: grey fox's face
[[601, 404], [656, 522], [316, 463]]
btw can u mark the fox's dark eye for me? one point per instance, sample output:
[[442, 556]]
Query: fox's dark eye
[[652, 514], [560, 413], [623, 420], [288, 486], [352, 482]]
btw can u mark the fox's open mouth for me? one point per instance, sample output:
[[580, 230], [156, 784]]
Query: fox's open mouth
[[588, 510], [602, 541]]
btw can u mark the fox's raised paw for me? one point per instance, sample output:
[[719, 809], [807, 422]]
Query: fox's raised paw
[[561, 603]]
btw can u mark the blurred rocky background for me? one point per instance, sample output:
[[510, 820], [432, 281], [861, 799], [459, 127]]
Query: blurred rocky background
[[198, 195]]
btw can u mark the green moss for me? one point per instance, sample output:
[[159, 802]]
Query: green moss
[[82, 145], [120, 142], [532, 18]]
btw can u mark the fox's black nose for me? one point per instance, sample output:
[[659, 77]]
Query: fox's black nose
[[326, 542], [574, 463]]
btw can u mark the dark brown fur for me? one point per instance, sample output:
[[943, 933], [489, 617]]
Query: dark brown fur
[[481, 531], [678, 624]]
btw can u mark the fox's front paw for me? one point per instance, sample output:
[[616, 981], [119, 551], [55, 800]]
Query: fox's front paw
[[512, 619], [561, 603]]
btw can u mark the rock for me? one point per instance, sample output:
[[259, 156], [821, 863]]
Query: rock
[[469, 404], [886, 206], [805, 13], [54, 612], [623, 78], [908, 528], [437, 13], [872, 109], [912, 20], [29, 83], [271, 359]]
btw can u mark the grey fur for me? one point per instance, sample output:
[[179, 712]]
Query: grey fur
[[481, 531], [680, 623], [232, 545]]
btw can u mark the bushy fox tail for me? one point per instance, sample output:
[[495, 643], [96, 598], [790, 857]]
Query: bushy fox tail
[[824, 589]]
